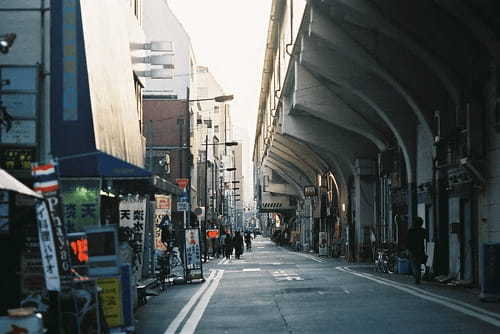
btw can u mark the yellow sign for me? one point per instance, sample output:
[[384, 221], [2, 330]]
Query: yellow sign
[[111, 298]]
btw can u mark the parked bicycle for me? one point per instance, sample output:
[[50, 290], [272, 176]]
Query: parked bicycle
[[385, 260]]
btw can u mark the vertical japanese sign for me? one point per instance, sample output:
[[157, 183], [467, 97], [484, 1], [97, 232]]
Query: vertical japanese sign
[[132, 220], [193, 254], [81, 200], [163, 208], [46, 183], [48, 248]]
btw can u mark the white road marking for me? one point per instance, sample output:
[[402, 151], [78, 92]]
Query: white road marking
[[282, 275], [456, 305], [251, 269], [172, 328], [347, 291], [312, 258], [194, 319]]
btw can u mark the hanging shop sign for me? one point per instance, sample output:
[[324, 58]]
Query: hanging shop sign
[[163, 209], [48, 248], [132, 220], [46, 183], [81, 199]]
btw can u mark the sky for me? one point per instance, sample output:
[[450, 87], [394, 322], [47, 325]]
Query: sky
[[229, 36]]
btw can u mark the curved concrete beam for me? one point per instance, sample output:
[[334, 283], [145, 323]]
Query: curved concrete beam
[[364, 14], [376, 93], [308, 177], [288, 153], [289, 169], [298, 188], [321, 26], [292, 176], [316, 98], [345, 144], [309, 154], [484, 35]]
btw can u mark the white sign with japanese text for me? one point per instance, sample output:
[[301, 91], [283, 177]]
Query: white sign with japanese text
[[193, 252], [47, 248], [133, 220]]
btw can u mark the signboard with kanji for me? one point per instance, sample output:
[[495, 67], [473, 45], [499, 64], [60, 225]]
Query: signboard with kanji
[[163, 208], [132, 220], [193, 252], [111, 298], [81, 200], [48, 248]]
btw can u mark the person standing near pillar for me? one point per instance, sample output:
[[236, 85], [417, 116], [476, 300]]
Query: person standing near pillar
[[416, 247]]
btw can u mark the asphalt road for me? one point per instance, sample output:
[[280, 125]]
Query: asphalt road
[[274, 290]]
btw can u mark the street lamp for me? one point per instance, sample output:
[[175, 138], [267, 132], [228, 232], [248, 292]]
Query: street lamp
[[6, 42], [205, 253]]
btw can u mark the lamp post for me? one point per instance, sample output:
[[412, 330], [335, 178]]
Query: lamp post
[[185, 142], [205, 253]]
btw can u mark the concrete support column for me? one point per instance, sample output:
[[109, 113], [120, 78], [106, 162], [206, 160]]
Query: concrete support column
[[365, 201]]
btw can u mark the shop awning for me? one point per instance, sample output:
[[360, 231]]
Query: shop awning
[[98, 164], [8, 182], [122, 173]]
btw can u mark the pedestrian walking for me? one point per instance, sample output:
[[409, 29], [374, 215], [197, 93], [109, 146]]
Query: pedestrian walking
[[238, 244], [416, 247], [228, 246], [248, 240]]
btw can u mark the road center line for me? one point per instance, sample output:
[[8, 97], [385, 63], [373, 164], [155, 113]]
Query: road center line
[[172, 328], [194, 319], [433, 298]]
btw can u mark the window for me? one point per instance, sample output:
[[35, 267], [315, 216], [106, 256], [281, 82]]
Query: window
[[216, 109], [216, 129]]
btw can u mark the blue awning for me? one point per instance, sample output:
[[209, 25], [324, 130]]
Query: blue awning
[[99, 164], [103, 165]]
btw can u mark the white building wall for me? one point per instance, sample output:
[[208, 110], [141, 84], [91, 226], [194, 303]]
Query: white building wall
[[161, 24]]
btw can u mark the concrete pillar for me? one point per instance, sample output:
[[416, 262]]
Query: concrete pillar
[[365, 183]]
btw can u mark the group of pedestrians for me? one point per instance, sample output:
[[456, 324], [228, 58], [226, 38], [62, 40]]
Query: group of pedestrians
[[234, 243]]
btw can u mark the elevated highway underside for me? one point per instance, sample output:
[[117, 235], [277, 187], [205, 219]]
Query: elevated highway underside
[[387, 111]]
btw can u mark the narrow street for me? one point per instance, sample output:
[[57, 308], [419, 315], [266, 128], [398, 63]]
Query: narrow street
[[275, 290]]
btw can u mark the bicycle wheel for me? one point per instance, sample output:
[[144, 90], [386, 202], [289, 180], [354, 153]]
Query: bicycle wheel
[[391, 265]]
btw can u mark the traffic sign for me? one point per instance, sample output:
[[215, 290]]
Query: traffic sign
[[182, 206], [182, 183], [199, 211]]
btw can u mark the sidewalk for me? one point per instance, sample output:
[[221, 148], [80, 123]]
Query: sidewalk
[[460, 293]]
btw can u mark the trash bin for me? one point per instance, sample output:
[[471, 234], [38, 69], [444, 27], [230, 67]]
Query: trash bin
[[403, 265]]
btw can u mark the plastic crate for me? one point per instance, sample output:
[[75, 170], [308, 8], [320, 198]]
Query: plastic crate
[[403, 265]]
